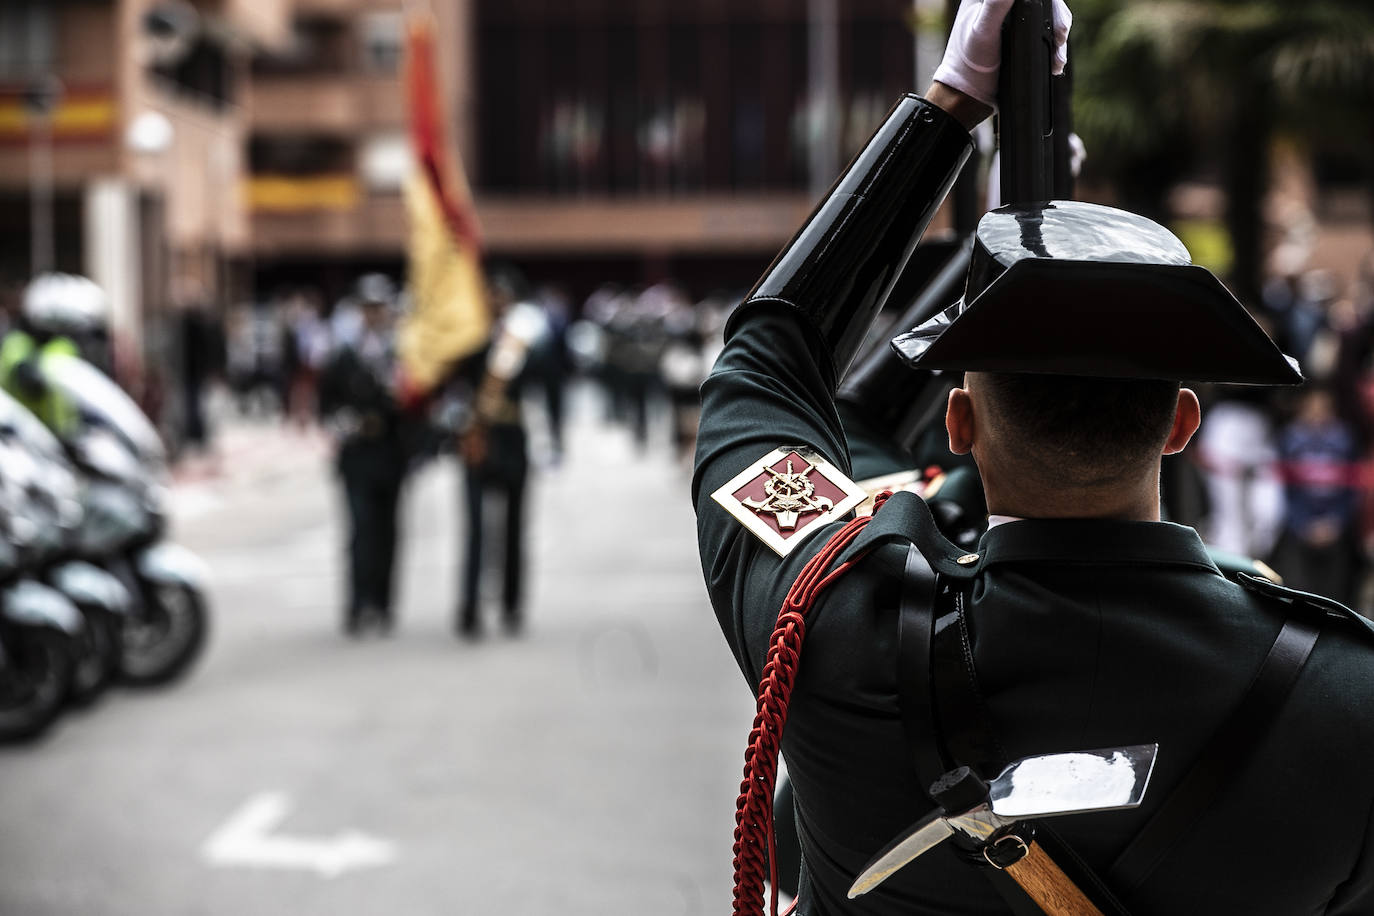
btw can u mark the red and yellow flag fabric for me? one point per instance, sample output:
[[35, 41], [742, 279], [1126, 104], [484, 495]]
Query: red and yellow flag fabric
[[449, 316]]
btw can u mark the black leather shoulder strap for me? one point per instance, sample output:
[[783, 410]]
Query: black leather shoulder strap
[[915, 634], [1234, 742], [946, 719], [963, 720], [916, 690]]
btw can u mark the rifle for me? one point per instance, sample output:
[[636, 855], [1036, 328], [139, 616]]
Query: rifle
[[1033, 135], [1026, 106]]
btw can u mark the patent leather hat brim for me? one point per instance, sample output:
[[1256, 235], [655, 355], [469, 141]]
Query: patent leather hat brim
[[1106, 319]]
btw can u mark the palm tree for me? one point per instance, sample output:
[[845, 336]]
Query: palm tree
[[1228, 74]]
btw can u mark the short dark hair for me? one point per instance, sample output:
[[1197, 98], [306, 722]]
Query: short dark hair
[[1082, 431]]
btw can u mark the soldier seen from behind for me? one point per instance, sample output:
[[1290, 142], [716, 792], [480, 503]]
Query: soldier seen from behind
[[886, 656], [358, 402], [494, 450]]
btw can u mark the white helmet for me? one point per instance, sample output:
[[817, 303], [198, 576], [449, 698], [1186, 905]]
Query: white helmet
[[66, 304]]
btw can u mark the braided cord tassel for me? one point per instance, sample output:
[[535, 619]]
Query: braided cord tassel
[[755, 848]]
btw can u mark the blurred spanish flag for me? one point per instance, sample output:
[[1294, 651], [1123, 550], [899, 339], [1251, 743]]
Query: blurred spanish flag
[[449, 317]]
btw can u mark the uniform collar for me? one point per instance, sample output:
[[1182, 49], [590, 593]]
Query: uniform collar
[[1094, 541]]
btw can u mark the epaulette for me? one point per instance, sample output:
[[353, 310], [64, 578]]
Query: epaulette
[[1232, 565], [906, 518], [1313, 606]]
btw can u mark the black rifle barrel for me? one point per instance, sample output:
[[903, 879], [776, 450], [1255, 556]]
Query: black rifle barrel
[[1062, 119], [1025, 103], [882, 388]]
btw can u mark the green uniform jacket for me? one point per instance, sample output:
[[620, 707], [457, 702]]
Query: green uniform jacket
[[1086, 634]]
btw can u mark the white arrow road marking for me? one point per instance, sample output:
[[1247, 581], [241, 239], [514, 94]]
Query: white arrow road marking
[[246, 840]]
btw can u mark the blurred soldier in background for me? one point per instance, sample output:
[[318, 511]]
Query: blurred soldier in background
[[683, 368], [308, 342], [494, 449], [359, 404], [555, 364], [254, 364], [635, 341]]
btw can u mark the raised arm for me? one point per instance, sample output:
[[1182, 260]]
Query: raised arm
[[795, 333]]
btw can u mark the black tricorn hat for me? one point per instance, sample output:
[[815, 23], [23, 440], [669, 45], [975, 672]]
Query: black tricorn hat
[[1071, 288]]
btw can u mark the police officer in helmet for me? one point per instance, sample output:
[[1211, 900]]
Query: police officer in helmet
[[61, 314]]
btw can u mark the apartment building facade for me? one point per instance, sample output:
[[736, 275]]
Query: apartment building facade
[[606, 140], [121, 147]]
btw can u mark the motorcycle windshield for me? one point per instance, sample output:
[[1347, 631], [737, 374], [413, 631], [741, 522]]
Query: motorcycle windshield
[[32, 458], [99, 400], [18, 421]]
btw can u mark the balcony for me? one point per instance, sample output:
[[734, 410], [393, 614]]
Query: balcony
[[343, 7], [758, 223], [82, 131], [292, 194], [325, 103], [323, 216], [266, 23]]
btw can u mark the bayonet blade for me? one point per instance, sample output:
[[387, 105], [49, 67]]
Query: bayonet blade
[[1043, 786], [1078, 783], [930, 831]]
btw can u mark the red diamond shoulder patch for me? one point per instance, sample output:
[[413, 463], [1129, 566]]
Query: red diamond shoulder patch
[[788, 493]]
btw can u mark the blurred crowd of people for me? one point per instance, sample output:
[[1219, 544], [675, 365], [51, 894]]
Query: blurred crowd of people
[[646, 350], [1288, 475], [651, 348]]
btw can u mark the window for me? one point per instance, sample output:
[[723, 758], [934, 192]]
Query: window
[[304, 155], [652, 97], [382, 35], [319, 46], [26, 39]]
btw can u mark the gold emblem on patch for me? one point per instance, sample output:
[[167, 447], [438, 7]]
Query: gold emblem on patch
[[786, 493]]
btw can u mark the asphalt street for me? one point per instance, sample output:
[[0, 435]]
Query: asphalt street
[[588, 766]]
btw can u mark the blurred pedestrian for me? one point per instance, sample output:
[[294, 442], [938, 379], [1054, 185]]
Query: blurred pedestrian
[[309, 341], [494, 451], [595, 340], [254, 339], [201, 358], [1239, 461], [636, 348], [358, 401], [555, 364], [683, 368], [1317, 551]]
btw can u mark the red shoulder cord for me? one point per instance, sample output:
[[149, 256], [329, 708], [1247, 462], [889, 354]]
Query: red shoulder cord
[[755, 850]]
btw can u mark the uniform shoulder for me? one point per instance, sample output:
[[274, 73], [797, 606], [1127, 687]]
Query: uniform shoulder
[[1320, 610]]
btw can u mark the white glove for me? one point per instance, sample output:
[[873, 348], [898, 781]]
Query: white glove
[[974, 54]]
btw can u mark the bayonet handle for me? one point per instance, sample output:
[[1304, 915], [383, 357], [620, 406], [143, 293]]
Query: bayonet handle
[[1046, 884]]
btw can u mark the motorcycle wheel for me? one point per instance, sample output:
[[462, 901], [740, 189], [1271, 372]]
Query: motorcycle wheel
[[97, 655], [165, 636], [34, 685]]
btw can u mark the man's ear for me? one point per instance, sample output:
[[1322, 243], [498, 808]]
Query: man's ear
[[959, 421], [1187, 418]]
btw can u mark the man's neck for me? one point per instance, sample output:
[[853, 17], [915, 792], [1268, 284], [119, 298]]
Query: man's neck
[[1137, 503]]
